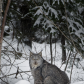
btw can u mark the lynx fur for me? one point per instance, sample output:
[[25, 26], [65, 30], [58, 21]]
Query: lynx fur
[[44, 72]]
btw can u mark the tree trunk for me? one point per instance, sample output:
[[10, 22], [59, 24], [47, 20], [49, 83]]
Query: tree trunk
[[51, 41], [63, 49], [0, 30], [51, 48], [50, 2], [3, 24]]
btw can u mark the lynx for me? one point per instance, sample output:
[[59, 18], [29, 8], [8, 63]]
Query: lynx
[[44, 72]]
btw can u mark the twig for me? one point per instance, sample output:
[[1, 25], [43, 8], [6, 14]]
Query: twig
[[81, 65], [16, 67], [13, 74], [11, 46], [72, 66], [3, 80], [59, 28], [67, 61]]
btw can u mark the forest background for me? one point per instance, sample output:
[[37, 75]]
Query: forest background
[[43, 21]]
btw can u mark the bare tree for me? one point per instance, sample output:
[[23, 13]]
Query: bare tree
[[0, 29], [51, 48], [63, 49], [3, 24]]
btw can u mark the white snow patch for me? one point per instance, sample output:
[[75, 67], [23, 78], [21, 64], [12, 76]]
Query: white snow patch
[[22, 82], [81, 82]]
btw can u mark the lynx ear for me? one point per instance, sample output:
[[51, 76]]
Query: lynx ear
[[40, 53]]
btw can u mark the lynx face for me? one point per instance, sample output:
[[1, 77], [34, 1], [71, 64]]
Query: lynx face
[[35, 60]]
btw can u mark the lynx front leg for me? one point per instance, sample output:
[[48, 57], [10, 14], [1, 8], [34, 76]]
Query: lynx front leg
[[48, 80], [38, 79], [38, 82]]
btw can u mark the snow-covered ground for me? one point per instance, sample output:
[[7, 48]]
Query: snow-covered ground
[[23, 82], [10, 64], [26, 82]]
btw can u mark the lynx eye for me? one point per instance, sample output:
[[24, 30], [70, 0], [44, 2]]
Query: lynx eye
[[35, 59]]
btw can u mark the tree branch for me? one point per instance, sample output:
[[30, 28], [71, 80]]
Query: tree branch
[[14, 74]]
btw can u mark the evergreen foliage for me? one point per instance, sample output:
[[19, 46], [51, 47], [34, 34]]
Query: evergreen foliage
[[57, 13], [30, 21]]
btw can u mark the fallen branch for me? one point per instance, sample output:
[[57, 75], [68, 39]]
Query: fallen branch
[[14, 74]]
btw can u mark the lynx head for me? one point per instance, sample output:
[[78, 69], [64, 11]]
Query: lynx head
[[35, 60]]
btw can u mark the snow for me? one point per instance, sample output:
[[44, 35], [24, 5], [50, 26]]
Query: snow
[[38, 12], [43, 10], [53, 12], [80, 9], [38, 20], [22, 82], [23, 64], [82, 82], [50, 10], [6, 28], [26, 82], [10, 65]]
